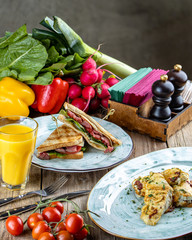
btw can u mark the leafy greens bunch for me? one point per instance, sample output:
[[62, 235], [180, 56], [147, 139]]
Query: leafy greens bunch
[[38, 57]]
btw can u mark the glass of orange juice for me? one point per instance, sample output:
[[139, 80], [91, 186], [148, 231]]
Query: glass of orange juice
[[17, 143]]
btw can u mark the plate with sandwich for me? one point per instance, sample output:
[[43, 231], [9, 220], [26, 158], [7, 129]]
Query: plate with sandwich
[[77, 142], [148, 200]]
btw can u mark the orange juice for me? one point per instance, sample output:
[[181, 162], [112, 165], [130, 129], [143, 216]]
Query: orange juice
[[17, 143]]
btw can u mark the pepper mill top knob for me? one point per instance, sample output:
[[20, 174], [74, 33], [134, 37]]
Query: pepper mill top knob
[[177, 67], [164, 77], [177, 76]]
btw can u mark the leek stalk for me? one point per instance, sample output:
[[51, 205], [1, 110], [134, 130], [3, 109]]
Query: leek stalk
[[75, 44]]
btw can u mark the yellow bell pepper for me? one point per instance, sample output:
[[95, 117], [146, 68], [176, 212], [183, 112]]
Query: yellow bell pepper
[[15, 97]]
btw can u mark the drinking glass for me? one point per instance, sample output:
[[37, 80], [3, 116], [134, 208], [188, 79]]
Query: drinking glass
[[17, 143]]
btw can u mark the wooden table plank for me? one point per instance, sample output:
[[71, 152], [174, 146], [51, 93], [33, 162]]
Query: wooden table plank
[[182, 138]]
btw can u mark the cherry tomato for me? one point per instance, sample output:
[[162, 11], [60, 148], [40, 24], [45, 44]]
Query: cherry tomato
[[82, 234], [61, 226], [46, 236], [33, 219], [39, 228], [14, 225], [64, 235], [58, 205], [74, 223], [51, 214]]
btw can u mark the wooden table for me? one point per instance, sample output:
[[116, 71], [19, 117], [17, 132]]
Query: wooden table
[[41, 178]]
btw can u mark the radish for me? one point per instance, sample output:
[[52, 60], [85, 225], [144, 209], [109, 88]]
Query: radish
[[100, 74], [89, 77], [111, 81], [88, 64], [74, 91], [80, 103], [102, 91], [94, 104], [88, 93], [104, 102]]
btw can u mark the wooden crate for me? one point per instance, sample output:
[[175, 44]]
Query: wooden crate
[[129, 117]]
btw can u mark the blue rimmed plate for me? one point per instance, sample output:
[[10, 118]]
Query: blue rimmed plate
[[93, 159], [119, 209]]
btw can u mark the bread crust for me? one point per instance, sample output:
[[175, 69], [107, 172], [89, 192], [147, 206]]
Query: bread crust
[[63, 136], [78, 155]]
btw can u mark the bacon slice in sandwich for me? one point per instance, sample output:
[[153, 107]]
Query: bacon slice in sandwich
[[62, 143], [90, 129]]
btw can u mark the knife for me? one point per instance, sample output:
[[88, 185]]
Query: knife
[[16, 211]]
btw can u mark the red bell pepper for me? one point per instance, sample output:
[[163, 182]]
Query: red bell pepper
[[50, 98]]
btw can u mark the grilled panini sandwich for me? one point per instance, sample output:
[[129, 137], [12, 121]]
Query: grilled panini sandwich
[[63, 143], [90, 129]]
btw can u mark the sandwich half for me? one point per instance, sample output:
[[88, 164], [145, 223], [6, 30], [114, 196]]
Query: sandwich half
[[62, 143], [90, 129]]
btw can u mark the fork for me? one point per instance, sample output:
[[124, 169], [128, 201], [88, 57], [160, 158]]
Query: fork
[[44, 192]]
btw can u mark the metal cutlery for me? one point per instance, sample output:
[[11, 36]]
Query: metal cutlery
[[5, 214], [44, 192]]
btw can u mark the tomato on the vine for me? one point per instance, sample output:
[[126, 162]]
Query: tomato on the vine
[[82, 234], [64, 235], [61, 226], [33, 219], [58, 205], [51, 214], [74, 223], [46, 236], [39, 228], [14, 225]]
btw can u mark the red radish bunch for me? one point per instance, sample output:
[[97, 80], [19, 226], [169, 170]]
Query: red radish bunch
[[92, 89]]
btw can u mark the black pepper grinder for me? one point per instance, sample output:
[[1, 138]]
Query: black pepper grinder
[[162, 91], [179, 79]]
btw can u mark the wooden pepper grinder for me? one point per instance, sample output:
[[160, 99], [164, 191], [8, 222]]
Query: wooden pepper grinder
[[179, 79], [162, 90]]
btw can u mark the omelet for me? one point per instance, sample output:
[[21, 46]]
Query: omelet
[[182, 187], [182, 195], [158, 198], [162, 192], [157, 195], [175, 176], [139, 186]]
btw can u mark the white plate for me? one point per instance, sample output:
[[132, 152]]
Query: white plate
[[93, 159], [119, 209]]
